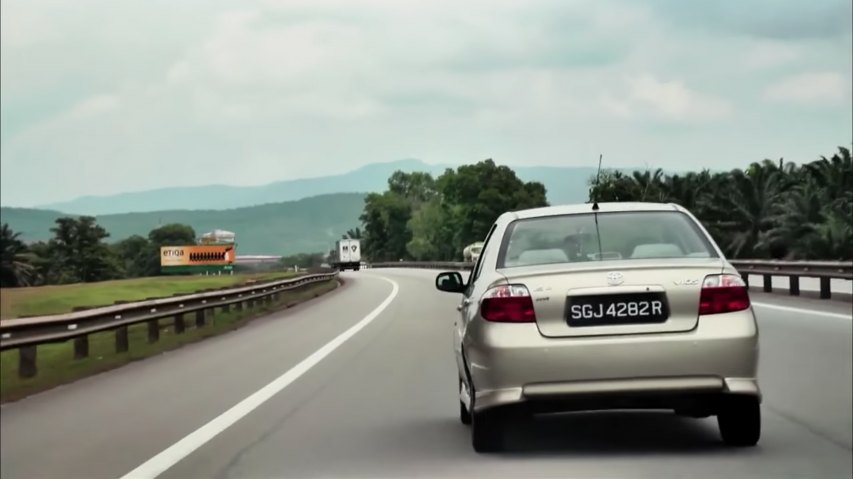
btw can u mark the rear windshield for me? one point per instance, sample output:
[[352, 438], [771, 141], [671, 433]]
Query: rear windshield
[[617, 236]]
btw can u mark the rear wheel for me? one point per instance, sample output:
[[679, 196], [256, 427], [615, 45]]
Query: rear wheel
[[740, 421], [487, 431]]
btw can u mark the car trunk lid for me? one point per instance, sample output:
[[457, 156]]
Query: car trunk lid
[[616, 297]]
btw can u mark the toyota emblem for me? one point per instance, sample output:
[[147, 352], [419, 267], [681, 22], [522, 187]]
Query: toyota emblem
[[615, 279]]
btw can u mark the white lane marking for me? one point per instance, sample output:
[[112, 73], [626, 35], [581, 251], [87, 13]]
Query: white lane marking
[[181, 449], [803, 311]]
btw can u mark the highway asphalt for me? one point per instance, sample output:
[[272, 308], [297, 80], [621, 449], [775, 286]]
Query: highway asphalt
[[381, 402]]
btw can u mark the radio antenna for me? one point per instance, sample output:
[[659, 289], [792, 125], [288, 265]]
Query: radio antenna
[[595, 206], [597, 184]]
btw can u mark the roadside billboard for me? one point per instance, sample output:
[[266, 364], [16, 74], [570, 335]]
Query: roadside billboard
[[197, 258]]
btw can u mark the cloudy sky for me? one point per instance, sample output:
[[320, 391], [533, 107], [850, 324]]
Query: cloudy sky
[[108, 96]]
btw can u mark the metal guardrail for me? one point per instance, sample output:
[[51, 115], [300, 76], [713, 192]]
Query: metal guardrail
[[29, 332], [793, 270], [825, 271], [451, 265]]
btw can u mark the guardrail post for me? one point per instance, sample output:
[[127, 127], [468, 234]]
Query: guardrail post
[[200, 317], [122, 340], [825, 290], [81, 347], [238, 306], [768, 283], [794, 285], [153, 331], [226, 308], [27, 362], [179, 323]]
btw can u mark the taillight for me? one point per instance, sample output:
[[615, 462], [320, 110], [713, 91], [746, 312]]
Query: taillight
[[508, 304], [723, 293]]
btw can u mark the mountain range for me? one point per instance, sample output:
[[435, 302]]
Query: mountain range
[[369, 178], [564, 185], [283, 217]]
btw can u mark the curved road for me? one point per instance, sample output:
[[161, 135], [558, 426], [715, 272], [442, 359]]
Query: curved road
[[382, 403]]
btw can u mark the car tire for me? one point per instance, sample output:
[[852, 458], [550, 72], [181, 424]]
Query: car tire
[[487, 431], [740, 421]]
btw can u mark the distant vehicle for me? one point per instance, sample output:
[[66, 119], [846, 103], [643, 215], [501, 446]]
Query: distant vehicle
[[630, 306], [471, 253], [346, 255]]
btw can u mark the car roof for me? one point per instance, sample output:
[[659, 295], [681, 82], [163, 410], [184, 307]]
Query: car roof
[[573, 209]]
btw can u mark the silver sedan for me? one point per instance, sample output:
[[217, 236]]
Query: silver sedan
[[608, 306]]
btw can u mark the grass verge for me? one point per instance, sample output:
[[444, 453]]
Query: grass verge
[[57, 366], [35, 301]]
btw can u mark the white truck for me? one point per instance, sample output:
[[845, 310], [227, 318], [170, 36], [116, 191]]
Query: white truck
[[472, 252], [346, 255]]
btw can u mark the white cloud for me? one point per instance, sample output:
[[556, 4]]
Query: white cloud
[[671, 100], [21, 26], [291, 88], [770, 54], [811, 89], [94, 106]]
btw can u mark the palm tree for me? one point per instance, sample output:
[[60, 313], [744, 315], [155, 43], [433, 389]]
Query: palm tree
[[795, 220], [833, 238], [353, 233], [612, 186], [835, 175], [647, 184], [690, 191], [746, 205], [16, 267]]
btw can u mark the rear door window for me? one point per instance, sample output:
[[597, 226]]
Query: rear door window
[[617, 236]]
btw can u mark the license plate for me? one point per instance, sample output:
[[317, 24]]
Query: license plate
[[616, 309]]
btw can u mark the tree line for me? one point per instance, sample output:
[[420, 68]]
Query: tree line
[[78, 252], [424, 218], [770, 210]]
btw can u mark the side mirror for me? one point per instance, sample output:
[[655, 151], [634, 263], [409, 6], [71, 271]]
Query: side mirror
[[450, 282]]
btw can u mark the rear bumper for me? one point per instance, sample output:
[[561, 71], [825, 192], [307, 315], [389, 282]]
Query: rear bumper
[[700, 395], [347, 265], [514, 363]]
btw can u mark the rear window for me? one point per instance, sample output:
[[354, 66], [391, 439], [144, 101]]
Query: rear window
[[617, 236]]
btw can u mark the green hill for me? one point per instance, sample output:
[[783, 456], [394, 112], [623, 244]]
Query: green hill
[[309, 224]]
